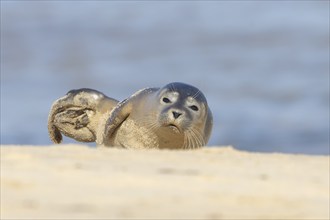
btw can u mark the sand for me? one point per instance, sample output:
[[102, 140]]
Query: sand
[[80, 182]]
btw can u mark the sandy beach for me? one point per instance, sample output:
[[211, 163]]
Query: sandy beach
[[81, 182]]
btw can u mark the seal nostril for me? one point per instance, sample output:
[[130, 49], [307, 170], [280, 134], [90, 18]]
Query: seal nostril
[[176, 114]]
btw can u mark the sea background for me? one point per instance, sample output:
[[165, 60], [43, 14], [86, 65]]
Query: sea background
[[263, 65]]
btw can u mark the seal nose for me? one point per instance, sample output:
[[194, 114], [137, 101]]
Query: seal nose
[[176, 114]]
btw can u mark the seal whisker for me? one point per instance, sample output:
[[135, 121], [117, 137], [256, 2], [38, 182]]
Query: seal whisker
[[172, 88], [190, 139], [184, 146], [148, 121], [185, 140], [196, 140], [196, 94], [197, 137], [187, 137], [190, 142], [201, 138]]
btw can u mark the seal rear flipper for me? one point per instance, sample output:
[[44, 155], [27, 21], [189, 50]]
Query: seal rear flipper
[[77, 113], [75, 123], [54, 134]]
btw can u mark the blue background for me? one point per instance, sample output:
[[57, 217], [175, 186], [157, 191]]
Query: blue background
[[263, 66]]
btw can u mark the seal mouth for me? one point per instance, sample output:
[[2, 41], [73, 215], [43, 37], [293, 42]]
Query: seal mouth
[[174, 128]]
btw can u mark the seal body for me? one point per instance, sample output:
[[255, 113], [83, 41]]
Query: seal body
[[176, 116]]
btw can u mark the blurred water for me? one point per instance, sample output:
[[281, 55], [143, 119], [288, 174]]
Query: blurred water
[[264, 66]]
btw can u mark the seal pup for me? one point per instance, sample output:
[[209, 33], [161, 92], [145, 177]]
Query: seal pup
[[176, 116]]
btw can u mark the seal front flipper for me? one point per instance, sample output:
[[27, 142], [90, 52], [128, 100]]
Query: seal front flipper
[[77, 115], [114, 119]]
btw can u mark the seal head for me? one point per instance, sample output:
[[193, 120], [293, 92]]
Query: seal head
[[184, 109]]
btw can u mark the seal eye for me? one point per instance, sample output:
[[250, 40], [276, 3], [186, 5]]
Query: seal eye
[[194, 108], [166, 100]]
